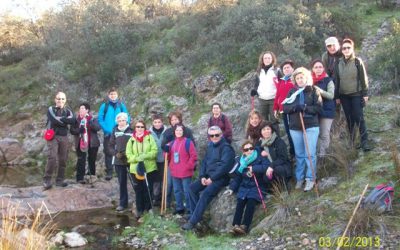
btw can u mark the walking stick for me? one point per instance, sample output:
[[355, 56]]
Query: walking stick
[[252, 103], [340, 243], [130, 178], [148, 190], [308, 152], [259, 193], [164, 186]]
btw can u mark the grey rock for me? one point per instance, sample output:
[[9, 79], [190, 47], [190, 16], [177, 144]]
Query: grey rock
[[11, 149], [326, 183], [207, 86], [74, 239]]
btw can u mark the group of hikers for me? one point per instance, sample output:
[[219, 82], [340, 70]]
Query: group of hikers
[[305, 100]]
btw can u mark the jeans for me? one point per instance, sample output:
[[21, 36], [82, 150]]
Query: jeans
[[91, 156], [107, 157], [250, 205], [354, 112], [181, 188], [325, 134], [199, 202], [122, 173], [302, 161]]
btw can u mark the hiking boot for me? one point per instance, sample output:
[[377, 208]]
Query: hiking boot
[[108, 177], [46, 186], [188, 226], [61, 184], [309, 185], [120, 209], [233, 229], [366, 147], [299, 184], [82, 182], [180, 212], [241, 230]]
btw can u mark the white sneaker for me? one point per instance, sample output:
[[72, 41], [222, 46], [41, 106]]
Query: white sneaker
[[299, 184], [309, 185]]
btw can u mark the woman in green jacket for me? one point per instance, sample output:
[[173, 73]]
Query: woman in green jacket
[[141, 152]]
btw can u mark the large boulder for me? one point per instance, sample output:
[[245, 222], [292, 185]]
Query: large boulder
[[10, 149], [74, 239], [207, 86]]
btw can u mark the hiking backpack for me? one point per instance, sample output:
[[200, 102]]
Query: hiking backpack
[[187, 144], [380, 198]]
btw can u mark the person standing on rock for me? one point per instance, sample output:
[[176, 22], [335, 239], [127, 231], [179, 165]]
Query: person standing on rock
[[331, 56], [174, 117], [182, 159], [213, 175], [87, 142], [303, 106], [107, 113], [157, 131], [351, 91], [265, 86], [251, 165], [58, 119], [141, 152], [117, 147], [325, 86], [253, 129], [282, 89], [221, 120]]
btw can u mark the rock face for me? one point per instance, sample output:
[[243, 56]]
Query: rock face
[[207, 86], [10, 149]]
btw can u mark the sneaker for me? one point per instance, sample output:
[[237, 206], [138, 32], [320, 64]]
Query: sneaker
[[299, 184], [187, 226], [181, 212], [309, 185], [120, 209], [61, 184], [46, 186], [241, 230]]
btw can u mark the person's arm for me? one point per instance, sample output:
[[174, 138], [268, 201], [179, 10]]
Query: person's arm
[[254, 92], [111, 145], [130, 155], [192, 156], [314, 107], [281, 154], [151, 153], [330, 93], [235, 182], [289, 108], [101, 118], [70, 118], [74, 129], [260, 166]]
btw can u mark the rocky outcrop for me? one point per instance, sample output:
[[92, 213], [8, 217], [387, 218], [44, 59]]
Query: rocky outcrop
[[10, 149], [207, 86]]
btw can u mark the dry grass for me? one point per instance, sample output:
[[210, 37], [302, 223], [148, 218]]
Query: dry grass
[[396, 161], [366, 221], [28, 232]]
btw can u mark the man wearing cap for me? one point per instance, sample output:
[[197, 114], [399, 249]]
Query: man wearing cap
[[331, 55], [213, 175]]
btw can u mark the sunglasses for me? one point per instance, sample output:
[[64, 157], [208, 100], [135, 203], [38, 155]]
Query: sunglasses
[[346, 48], [139, 126], [214, 135], [248, 149]]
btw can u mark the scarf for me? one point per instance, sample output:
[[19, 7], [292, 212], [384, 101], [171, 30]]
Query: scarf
[[88, 118], [316, 79], [246, 160], [287, 77], [123, 128], [158, 131], [265, 143], [113, 101], [291, 99], [266, 68], [254, 132], [140, 139]]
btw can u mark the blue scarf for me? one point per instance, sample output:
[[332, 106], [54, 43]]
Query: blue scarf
[[246, 160]]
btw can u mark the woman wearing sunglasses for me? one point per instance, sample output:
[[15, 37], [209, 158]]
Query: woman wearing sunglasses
[[352, 91], [252, 166], [141, 149]]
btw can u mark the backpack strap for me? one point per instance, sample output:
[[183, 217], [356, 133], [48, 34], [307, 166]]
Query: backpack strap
[[358, 66], [107, 104], [187, 145]]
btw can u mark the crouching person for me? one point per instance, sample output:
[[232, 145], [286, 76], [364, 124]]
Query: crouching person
[[117, 147], [252, 166], [213, 175]]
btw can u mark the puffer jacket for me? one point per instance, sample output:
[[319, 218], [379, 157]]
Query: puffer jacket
[[149, 149]]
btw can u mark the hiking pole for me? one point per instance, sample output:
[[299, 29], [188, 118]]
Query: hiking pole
[[130, 178], [308, 152], [259, 193], [340, 242], [148, 190], [164, 186]]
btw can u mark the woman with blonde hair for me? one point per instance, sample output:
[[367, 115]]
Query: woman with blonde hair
[[253, 126]]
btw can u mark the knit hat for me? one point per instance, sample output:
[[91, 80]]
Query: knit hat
[[331, 41]]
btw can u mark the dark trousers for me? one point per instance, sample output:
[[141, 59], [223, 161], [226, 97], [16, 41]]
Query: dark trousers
[[250, 205], [158, 181], [91, 156], [122, 174], [199, 202], [286, 123], [354, 112], [266, 109], [57, 151], [107, 157], [142, 192]]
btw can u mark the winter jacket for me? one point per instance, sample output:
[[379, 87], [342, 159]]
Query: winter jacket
[[148, 148], [169, 136], [266, 83], [245, 186], [107, 121], [350, 81], [224, 123], [118, 141], [59, 119], [187, 160], [330, 61], [94, 127], [279, 155], [327, 90], [158, 137], [312, 109], [218, 161], [282, 89]]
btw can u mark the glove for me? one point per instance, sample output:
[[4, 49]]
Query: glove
[[228, 192], [120, 155], [253, 92], [166, 148], [300, 107]]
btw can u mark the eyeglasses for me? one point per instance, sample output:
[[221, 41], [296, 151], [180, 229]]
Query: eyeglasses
[[248, 149], [60, 99], [345, 48], [139, 126], [214, 135]]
